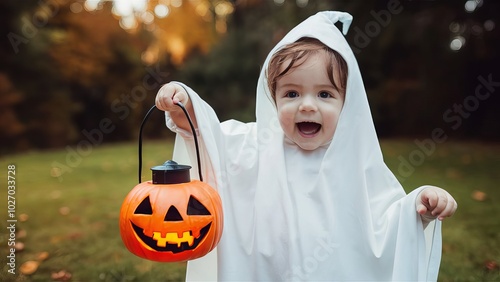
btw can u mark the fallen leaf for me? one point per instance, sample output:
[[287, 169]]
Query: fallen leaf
[[64, 210], [56, 239], [62, 275], [479, 196], [55, 172], [23, 217], [42, 256], [21, 234], [74, 235], [29, 267], [19, 246], [491, 265]]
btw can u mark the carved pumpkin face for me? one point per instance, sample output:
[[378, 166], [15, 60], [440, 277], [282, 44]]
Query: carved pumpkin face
[[171, 222]]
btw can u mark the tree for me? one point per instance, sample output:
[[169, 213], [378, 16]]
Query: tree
[[10, 125]]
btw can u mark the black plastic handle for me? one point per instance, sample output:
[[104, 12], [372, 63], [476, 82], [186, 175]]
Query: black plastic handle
[[192, 129]]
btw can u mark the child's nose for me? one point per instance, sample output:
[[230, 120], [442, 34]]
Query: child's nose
[[307, 104]]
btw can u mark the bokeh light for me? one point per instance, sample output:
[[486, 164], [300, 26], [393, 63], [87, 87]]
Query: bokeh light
[[147, 17], [489, 25], [457, 43], [91, 5], [471, 5], [302, 3], [279, 2], [76, 7], [161, 10]]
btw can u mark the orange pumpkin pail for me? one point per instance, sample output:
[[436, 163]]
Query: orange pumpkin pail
[[171, 218]]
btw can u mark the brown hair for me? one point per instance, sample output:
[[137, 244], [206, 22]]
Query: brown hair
[[302, 48]]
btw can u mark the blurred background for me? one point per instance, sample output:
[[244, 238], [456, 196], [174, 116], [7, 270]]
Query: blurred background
[[77, 77], [67, 66]]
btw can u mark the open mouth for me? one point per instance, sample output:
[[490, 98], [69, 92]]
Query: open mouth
[[308, 128], [171, 242]]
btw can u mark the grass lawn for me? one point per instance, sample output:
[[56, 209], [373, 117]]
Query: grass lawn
[[71, 212]]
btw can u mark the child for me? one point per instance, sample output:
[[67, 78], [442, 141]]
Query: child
[[305, 191]]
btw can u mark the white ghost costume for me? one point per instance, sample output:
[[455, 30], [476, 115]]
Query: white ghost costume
[[333, 214]]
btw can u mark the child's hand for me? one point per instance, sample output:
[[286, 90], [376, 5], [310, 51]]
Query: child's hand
[[433, 202], [169, 95]]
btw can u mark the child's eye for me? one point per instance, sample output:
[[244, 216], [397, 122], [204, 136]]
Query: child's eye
[[324, 94], [291, 94]]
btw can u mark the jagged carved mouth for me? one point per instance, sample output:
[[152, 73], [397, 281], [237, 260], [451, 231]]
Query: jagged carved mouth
[[171, 242], [308, 128]]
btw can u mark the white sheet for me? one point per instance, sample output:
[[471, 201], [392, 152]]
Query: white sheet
[[335, 214]]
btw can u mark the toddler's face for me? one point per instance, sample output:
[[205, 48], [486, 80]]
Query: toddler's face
[[308, 103]]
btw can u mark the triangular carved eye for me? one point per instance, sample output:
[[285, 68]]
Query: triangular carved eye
[[144, 207], [173, 214], [196, 208]]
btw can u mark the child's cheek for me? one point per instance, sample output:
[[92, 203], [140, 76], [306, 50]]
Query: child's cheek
[[286, 119]]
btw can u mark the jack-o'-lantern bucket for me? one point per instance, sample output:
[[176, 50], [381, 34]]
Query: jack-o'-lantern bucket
[[171, 218]]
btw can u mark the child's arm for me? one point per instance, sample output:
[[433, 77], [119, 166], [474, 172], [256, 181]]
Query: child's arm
[[167, 98], [433, 202]]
